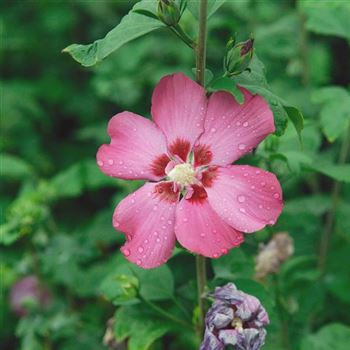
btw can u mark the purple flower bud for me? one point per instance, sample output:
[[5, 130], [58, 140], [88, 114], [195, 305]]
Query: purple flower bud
[[25, 290], [236, 319]]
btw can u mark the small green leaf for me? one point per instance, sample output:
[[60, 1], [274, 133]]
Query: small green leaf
[[228, 85], [14, 167], [235, 264], [334, 336], [335, 110], [213, 6], [338, 172], [155, 284], [139, 325], [327, 17], [297, 119], [132, 26]]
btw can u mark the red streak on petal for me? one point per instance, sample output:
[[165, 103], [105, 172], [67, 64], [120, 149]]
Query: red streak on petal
[[202, 155], [208, 176], [165, 191], [159, 164], [199, 194], [180, 148]]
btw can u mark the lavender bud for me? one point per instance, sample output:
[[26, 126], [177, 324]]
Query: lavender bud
[[238, 56], [235, 319], [28, 291]]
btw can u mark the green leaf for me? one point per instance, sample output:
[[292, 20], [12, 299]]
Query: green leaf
[[155, 284], [235, 264], [132, 26], [255, 81], [327, 17], [14, 167], [213, 6], [335, 110], [228, 85], [297, 119], [139, 325], [337, 172], [334, 336]]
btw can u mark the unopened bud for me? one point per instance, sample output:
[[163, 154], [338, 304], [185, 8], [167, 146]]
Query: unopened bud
[[168, 12], [129, 286], [238, 56]]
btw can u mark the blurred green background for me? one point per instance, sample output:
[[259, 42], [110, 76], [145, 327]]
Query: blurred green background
[[56, 206]]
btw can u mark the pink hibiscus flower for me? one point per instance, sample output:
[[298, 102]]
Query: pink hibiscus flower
[[194, 194]]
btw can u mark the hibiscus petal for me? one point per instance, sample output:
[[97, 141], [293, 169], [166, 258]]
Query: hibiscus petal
[[178, 108], [200, 229], [247, 198], [231, 129], [137, 149], [147, 218]]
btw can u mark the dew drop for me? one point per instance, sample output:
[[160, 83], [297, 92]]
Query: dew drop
[[110, 161], [276, 195], [252, 187], [263, 183], [224, 251], [213, 130], [242, 210], [202, 235], [185, 220], [121, 162], [99, 163], [260, 206], [241, 146], [133, 201], [158, 240], [215, 255], [146, 241], [126, 252], [241, 199], [257, 172], [271, 222], [238, 123], [140, 249], [138, 262], [245, 124], [169, 222]]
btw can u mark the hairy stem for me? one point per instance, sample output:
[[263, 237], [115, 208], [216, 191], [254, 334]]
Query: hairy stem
[[200, 77], [327, 234]]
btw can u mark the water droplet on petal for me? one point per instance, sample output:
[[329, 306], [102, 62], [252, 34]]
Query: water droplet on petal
[[213, 130], [241, 146], [260, 206], [126, 252], [245, 124], [202, 235], [257, 172], [242, 210], [138, 262], [110, 161], [224, 251], [140, 249], [238, 123], [121, 162], [158, 240], [271, 222], [263, 184], [146, 241], [185, 220], [276, 195], [241, 199], [215, 255], [99, 163]]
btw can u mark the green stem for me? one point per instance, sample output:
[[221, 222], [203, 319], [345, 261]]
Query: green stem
[[200, 77], [327, 234], [201, 43], [167, 315], [184, 36]]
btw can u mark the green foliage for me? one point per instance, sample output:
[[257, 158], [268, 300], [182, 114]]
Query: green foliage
[[132, 26], [57, 206]]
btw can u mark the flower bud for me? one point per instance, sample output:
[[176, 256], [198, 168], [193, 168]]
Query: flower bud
[[238, 56], [235, 319], [168, 12], [273, 254], [27, 293], [129, 287]]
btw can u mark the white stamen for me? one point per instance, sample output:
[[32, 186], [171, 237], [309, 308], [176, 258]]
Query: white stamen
[[183, 174]]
